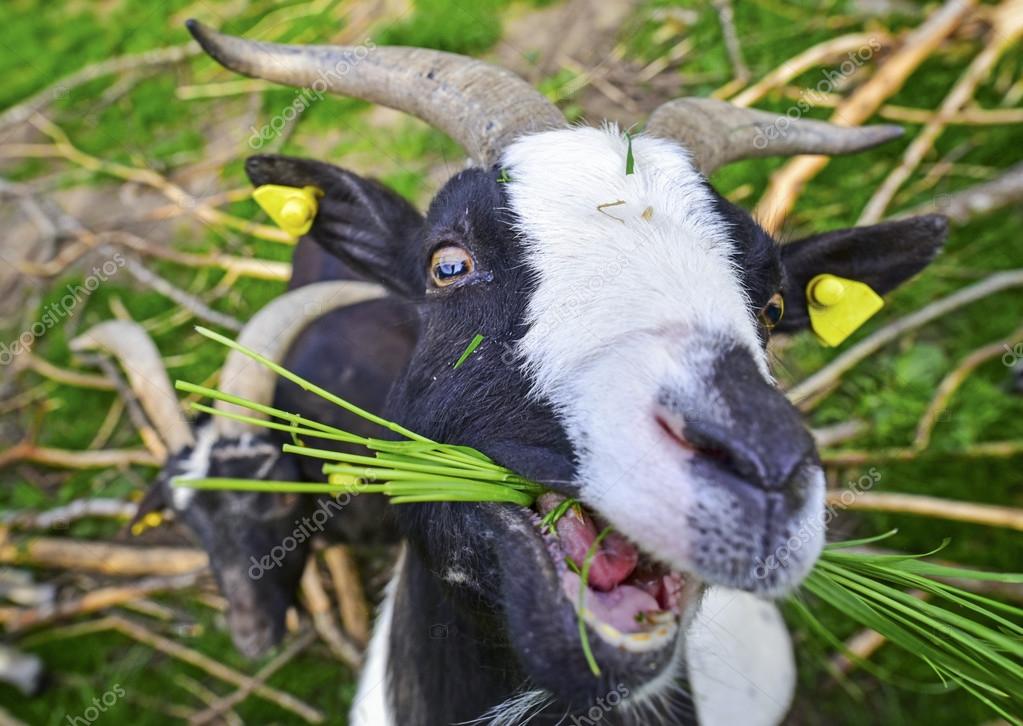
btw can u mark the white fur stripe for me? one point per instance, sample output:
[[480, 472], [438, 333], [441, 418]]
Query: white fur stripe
[[371, 706]]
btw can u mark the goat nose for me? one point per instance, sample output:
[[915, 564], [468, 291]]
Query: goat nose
[[743, 424], [767, 456]]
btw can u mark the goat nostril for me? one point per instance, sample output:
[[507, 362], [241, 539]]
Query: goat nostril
[[702, 448]]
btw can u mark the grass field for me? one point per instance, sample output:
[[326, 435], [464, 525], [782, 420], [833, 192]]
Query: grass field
[[145, 117]]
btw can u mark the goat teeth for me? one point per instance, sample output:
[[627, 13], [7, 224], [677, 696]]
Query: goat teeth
[[662, 617], [609, 633]]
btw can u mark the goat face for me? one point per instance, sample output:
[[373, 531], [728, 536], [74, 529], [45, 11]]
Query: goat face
[[623, 363], [256, 546]]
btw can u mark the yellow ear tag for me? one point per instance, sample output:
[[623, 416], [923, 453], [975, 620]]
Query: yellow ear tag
[[150, 521], [292, 208], [838, 307]]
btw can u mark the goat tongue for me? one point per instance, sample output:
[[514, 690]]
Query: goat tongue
[[615, 558]]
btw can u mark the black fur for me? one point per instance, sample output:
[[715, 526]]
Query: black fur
[[883, 256]]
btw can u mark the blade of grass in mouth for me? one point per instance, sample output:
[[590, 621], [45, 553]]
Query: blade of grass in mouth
[[982, 653], [584, 580]]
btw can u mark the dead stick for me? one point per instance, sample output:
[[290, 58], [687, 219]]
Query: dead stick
[[984, 450], [207, 697], [1007, 28], [195, 306], [351, 596], [67, 459], [951, 383], [7, 719], [319, 607], [109, 425], [150, 438], [103, 557], [239, 266], [62, 147], [95, 600], [820, 54], [71, 512], [989, 515], [224, 704], [864, 349], [160, 56], [63, 375], [726, 16], [979, 200], [787, 183], [194, 658]]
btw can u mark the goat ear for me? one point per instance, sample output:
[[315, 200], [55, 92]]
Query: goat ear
[[154, 500], [359, 220], [883, 256]]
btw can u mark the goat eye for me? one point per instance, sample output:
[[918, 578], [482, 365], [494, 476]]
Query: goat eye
[[449, 264], [772, 313]]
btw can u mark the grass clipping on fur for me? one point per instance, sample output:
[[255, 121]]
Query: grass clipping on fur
[[970, 641]]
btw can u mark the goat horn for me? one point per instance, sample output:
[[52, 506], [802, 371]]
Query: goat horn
[[271, 332], [134, 349], [718, 133], [481, 106]]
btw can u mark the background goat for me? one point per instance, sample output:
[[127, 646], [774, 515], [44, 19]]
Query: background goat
[[238, 530]]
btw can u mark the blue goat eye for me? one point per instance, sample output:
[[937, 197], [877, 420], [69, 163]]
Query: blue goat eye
[[449, 264], [771, 314]]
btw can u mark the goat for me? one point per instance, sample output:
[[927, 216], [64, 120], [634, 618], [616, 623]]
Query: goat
[[625, 308], [241, 531]]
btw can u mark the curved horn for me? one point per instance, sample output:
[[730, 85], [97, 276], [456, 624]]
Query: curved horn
[[718, 133], [134, 349], [481, 106], [271, 332]]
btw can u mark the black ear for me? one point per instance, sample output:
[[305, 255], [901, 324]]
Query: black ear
[[359, 220], [154, 500], [883, 256]]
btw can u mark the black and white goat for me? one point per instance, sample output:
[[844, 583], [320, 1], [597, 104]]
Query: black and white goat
[[258, 542], [624, 318]]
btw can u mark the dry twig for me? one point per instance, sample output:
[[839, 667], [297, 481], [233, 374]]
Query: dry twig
[[223, 705], [351, 596], [194, 658], [68, 459], [979, 200], [161, 56], [319, 607], [102, 557], [953, 380], [788, 182], [988, 515], [16, 620], [820, 54], [68, 513], [1007, 29]]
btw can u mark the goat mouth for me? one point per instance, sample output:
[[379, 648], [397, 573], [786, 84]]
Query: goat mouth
[[630, 600]]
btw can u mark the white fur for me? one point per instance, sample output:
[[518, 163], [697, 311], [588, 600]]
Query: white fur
[[371, 706], [195, 467], [518, 710], [630, 300], [741, 665]]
